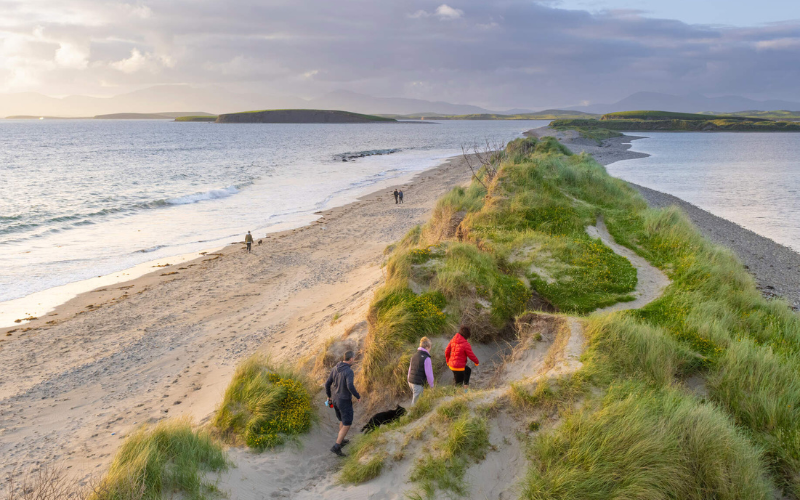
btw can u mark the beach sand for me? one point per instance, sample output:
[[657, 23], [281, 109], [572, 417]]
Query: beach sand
[[76, 382]]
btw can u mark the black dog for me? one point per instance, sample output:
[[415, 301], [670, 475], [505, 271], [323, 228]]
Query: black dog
[[259, 242], [383, 417]]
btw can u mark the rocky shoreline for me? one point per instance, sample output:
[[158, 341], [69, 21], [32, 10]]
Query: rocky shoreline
[[775, 267]]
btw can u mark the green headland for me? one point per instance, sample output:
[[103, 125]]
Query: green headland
[[299, 116]]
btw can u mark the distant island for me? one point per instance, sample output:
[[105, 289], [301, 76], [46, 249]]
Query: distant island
[[299, 116], [635, 121], [547, 114]]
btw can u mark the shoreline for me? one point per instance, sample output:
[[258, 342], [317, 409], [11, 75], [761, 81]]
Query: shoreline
[[76, 384], [775, 267], [66, 299]]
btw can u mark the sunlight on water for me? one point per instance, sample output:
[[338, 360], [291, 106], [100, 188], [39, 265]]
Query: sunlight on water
[[82, 198]]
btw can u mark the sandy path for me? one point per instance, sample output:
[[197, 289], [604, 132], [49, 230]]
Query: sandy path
[[651, 280], [166, 344]]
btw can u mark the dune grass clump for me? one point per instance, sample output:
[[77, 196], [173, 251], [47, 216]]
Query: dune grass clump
[[161, 460], [365, 460], [646, 443], [265, 405], [467, 441]]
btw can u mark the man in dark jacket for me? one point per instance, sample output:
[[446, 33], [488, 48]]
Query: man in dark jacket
[[341, 391]]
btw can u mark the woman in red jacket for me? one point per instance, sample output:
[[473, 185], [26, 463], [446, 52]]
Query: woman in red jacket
[[456, 354]]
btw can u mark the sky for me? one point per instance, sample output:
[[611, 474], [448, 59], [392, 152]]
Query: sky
[[498, 54]]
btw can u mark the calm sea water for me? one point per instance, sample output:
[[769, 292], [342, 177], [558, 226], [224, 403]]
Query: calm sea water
[[752, 179], [82, 198]]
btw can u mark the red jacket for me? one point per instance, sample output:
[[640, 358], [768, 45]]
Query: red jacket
[[457, 352]]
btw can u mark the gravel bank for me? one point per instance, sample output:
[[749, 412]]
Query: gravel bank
[[775, 267]]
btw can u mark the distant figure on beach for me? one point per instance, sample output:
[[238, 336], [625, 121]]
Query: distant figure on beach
[[456, 354], [396, 194], [340, 391], [249, 240], [400, 194], [420, 370]]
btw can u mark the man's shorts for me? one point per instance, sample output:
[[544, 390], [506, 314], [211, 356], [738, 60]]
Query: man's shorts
[[344, 411]]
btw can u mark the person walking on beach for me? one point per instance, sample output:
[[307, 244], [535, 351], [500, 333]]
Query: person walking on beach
[[400, 195], [420, 370], [456, 354], [341, 391], [396, 194], [249, 240]]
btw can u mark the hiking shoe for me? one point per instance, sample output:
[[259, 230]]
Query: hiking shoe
[[337, 449], [344, 442]]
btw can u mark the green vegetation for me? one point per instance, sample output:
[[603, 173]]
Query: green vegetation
[[646, 443], [677, 122], [299, 116], [711, 324], [765, 115], [210, 118], [161, 460], [693, 396], [265, 405], [527, 236], [657, 115], [548, 114], [467, 440]]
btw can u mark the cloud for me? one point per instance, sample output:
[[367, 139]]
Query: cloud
[[136, 62], [72, 56], [444, 12], [515, 53], [139, 61]]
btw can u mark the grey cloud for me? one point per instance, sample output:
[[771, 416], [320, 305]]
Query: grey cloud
[[495, 54]]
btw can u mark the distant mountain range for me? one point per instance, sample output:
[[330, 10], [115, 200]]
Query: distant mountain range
[[691, 103], [217, 100]]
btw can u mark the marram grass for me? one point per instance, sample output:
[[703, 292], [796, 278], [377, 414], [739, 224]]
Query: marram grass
[[157, 461], [265, 405]]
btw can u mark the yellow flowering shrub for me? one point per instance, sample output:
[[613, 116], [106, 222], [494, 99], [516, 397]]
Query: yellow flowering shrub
[[265, 406]]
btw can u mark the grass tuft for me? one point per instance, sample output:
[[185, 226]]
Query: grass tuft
[[265, 405], [160, 460]]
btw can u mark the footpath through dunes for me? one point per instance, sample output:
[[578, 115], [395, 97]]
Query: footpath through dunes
[[166, 344], [687, 390], [511, 396]]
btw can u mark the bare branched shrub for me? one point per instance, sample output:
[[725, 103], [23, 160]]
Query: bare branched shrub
[[486, 157], [46, 483]]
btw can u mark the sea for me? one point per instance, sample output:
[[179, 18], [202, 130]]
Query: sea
[[752, 179], [88, 202]]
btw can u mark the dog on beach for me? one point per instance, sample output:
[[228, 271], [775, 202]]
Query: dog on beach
[[259, 242], [383, 417]]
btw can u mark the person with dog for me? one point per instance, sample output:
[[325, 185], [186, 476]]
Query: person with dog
[[249, 240], [420, 370], [340, 391], [456, 354]]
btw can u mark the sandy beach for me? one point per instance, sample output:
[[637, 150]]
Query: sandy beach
[[80, 379]]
